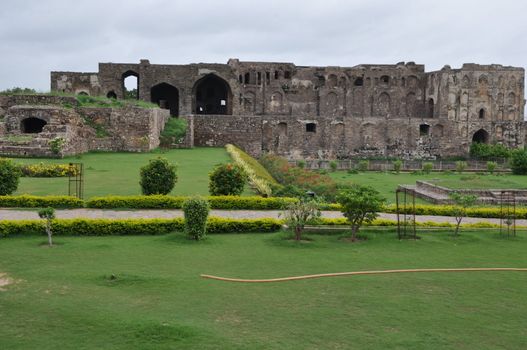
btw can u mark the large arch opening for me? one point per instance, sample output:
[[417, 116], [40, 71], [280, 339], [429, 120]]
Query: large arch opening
[[32, 125], [167, 97], [480, 136], [130, 85], [212, 95]]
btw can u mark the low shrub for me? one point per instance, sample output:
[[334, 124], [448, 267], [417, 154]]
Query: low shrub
[[227, 179], [491, 167], [56, 145], [487, 151], [127, 227], [461, 166], [48, 170], [363, 165], [333, 165], [427, 167], [158, 177], [196, 212], [397, 165], [519, 162], [9, 177], [29, 201], [450, 210]]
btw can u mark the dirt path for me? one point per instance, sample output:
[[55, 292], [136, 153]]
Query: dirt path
[[8, 214]]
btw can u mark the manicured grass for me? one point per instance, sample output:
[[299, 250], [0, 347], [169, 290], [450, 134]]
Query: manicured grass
[[387, 182], [118, 173], [64, 297]]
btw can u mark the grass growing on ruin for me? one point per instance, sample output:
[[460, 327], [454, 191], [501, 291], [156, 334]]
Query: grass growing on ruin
[[118, 173], [65, 297], [387, 182]]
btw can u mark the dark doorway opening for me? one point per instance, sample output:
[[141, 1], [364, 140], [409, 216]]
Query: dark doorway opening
[[32, 125], [212, 96], [167, 97], [311, 127], [424, 130], [480, 136], [111, 94]]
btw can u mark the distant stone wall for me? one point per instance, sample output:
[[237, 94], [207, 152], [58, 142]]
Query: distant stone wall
[[219, 130], [130, 128]]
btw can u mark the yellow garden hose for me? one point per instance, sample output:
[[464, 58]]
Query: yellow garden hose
[[305, 277]]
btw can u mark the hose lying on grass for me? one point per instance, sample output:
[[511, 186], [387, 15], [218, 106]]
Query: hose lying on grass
[[337, 274]]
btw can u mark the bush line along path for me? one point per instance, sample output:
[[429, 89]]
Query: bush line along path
[[13, 214]]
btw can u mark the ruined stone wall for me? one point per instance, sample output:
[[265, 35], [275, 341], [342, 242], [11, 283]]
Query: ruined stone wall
[[76, 83], [219, 130], [366, 110], [83, 128]]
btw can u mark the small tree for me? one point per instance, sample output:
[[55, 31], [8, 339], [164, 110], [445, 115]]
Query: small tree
[[519, 162], [9, 177], [491, 167], [298, 214], [427, 167], [48, 214], [227, 180], [301, 164], [360, 204], [158, 177], [397, 165], [196, 211], [333, 165], [363, 165], [462, 202], [461, 166]]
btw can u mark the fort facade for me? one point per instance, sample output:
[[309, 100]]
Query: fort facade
[[301, 112]]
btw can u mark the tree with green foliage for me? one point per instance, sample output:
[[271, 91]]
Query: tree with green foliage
[[196, 211], [333, 165], [360, 204], [518, 162], [9, 176], [158, 177], [461, 166], [298, 214], [227, 180], [427, 167], [47, 214], [363, 165], [397, 165], [491, 167], [461, 203]]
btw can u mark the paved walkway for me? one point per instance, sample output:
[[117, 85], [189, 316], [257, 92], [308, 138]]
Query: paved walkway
[[8, 214]]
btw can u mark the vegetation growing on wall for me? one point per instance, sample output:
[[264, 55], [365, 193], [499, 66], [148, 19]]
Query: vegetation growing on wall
[[174, 132]]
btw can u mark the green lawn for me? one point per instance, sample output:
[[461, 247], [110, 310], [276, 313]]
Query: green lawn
[[64, 298], [118, 173], [387, 182]]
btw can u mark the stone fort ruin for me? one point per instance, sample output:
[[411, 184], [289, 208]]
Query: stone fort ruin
[[304, 112]]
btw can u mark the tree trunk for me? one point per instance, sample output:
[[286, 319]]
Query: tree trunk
[[48, 231], [354, 229], [298, 233], [457, 225]]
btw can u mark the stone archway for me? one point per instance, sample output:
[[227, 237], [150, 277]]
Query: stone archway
[[32, 125], [212, 95], [480, 136], [166, 96]]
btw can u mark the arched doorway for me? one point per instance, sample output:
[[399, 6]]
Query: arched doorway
[[130, 85], [32, 125], [167, 97], [212, 95], [480, 136], [111, 94]]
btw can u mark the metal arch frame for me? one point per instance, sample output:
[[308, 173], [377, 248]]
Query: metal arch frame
[[403, 225]]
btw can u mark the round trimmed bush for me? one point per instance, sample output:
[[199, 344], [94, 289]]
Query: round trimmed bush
[[158, 177], [196, 212], [227, 180], [9, 176], [518, 162]]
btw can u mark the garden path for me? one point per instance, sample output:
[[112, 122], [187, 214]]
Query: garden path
[[17, 214]]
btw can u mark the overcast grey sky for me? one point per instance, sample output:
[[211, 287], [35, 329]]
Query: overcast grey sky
[[39, 36]]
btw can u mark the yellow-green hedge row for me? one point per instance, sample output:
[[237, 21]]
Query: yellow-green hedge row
[[172, 202], [123, 227], [387, 222], [449, 210], [28, 201]]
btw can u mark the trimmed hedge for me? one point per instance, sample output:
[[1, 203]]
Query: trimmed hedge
[[389, 223], [47, 170], [172, 202], [449, 210], [127, 227], [29, 201]]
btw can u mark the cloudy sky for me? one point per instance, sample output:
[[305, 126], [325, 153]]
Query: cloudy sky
[[39, 36]]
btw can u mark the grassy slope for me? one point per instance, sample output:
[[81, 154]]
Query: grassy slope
[[118, 173], [63, 300], [387, 182]]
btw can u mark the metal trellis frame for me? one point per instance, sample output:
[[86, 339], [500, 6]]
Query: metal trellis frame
[[405, 202]]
